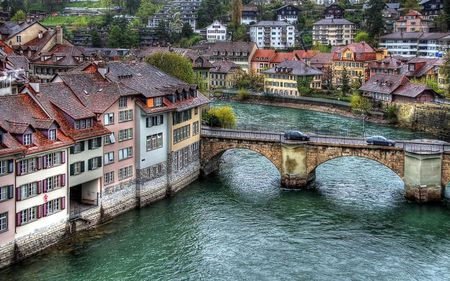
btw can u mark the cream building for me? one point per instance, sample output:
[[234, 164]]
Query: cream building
[[334, 32]]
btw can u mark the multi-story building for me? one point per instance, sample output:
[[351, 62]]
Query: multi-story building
[[184, 10], [16, 34], [216, 32], [41, 171], [388, 65], [354, 59], [249, 14], [413, 21], [284, 78], [334, 32], [431, 8], [288, 13], [412, 44], [224, 75], [239, 53], [334, 11], [273, 34]]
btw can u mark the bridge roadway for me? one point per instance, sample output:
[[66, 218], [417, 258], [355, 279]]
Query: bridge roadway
[[416, 146]]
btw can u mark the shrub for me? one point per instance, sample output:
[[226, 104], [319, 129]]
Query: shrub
[[361, 104], [220, 116], [243, 94]]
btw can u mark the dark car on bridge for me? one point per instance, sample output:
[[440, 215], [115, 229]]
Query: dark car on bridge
[[296, 135], [380, 140]]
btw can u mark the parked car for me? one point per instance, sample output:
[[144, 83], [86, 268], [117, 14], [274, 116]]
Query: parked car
[[296, 135], [380, 140]]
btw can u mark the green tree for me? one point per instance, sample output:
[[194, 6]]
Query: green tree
[[345, 88], [391, 112], [374, 22], [236, 12], [444, 71], [441, 22], [96, 40], [446, 12], [146, 9], [360, 104], [243, 94], [304, 85], [210, 10], [173, 64], [162, 31], [20, 15], [132, 38], [186, 31], [411, 5], [362, 36], [221, 116], [115, 37]]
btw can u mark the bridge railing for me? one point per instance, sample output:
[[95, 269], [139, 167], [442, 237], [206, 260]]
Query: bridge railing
[[406, 145], [242, 134]]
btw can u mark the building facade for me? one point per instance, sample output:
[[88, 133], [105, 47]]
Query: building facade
[[216, 32], [273, 34], [412, 44], [334, 32], [288, 13]]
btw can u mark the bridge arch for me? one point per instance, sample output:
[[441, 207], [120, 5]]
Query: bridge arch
[[213, 149]]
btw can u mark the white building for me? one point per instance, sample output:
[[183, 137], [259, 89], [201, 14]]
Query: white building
[[273, 34], [412, 44], [334, 32], [216, 32]]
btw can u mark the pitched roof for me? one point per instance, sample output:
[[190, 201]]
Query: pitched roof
[[415, 35], [61, 54], [294, 67], [321, 59], [386, 63], [223, 66], [302, 54], [144, 78], [330, 21], [411, 90], [361, 47], [271, 23], [263, 55], [384, 83], [280, 57]]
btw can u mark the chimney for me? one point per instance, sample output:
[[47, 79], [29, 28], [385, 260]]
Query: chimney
[[40, 35], [59, 35]]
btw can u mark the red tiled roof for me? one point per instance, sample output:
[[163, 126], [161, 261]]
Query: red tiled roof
[[263, 55], [301, 54], [280, 57]]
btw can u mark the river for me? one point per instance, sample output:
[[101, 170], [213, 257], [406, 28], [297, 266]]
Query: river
[[239, 225]]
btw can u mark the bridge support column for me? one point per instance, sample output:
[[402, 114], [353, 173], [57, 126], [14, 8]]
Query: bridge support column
[[297, 181], [422, 177]]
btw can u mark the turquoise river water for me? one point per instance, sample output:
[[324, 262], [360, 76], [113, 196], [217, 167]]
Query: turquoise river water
[[239, 225]]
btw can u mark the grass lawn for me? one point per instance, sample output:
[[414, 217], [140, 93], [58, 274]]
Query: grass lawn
[[72, 20]]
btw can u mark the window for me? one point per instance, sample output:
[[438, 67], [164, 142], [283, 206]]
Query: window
[[125, 153], [53, 206], [195, 110], [53, 159], [95, 143], [54, 182], [19, 39], [27, 215], [27, 166], [126, 172], [154, 121], [52, 134], [6, 167], [125, 115], [83, 123], [109, 177], [195, 128], [154, 141], [109, 139], [122, 102], [181, 134], [6, 192], [77, 148], [108, 118], [126, 134], [77, 168], [108, 158], [94, 163], [179, 117], [4, 222], [28, 190], [158, 101], [27, 139]]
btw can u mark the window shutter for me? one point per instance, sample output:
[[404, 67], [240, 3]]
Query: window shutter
[[39, 163], [72, 169], [63, 157], [18, 218], [162, 119], [99, 161], [44, 210], [62, 180], [44, 161], [112, 138], [82, 146], [40, 211], [146, 122], [63, 203], [82, 167], [18, 171], [89, 164], [44, 185], [10, 166], [10, 192], [99, 142], [72, 150], [39, 183], [90, 144], [18, 194]]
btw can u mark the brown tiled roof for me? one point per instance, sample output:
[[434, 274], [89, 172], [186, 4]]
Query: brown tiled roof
[[144, 78], [19, 62], [384, 83], [387, 63], [280, 57], [321, 59], [37, 44], [263, 55], [411, 90], [67, 56], [294, 67], [222, 66], [301, 54]]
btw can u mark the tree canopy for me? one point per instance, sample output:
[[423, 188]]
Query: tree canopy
[[374, 22], [20, 15], [173, 64], [362, 36], [221, 116]]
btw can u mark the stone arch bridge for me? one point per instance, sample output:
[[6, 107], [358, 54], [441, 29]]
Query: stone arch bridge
[[423, 166]]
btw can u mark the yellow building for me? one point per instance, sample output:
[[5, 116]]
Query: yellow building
[[354, 58], [283, 79]]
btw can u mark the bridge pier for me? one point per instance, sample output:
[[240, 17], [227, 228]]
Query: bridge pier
[[298, 181], [423, 177]]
